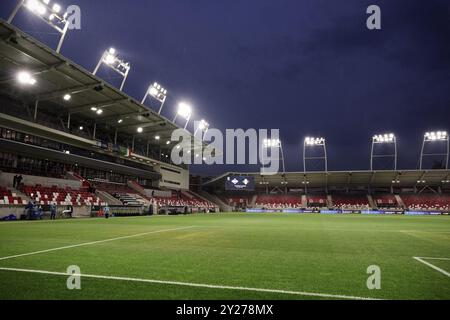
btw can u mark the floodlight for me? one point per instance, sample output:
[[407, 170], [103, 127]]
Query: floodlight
[[67, 97], [388, 139], [202, 126], [56, 8], [140, 130], [40, 8], [269, 143], [157, 137], [158, 92], [185, 111], [25, 78], [111, 60], [120, 121], [435, 139], [81, 128], [273, 143], [168, 142], [99, 111], [311, 142]]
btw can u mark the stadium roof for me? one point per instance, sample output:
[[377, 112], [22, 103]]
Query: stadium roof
[[405, 178], [57, 76]]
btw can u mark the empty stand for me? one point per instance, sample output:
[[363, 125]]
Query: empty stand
[[48, 195]]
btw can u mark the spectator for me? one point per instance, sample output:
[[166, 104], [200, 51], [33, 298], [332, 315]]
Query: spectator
[[19, 181], [15, 181]]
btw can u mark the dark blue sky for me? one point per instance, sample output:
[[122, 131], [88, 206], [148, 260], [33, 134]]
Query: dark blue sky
[[307, 67]]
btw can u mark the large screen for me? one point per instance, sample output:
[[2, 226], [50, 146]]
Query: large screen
[[243, 183]]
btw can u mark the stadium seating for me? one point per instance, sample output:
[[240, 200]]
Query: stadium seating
[[386, 201], [427, 202], [236, 201], [317, 201], [279, 201], [185, 199], [8, 197], [350, 202], [67, 196]]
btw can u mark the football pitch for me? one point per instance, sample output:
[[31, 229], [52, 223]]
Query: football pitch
[[227, 256]]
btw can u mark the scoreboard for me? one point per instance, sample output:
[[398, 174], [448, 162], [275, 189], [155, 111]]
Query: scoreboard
[[240, 183]]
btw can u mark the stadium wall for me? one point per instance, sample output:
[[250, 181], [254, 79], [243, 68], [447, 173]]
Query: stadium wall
[[173, 177]]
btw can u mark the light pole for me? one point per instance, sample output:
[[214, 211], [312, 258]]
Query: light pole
[[49, 12], [383, 139], [432, 138], [184, 111], [310, 143], [158, 92], [111, 60], [277, 145]]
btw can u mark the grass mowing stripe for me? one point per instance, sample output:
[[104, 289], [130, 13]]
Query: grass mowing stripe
[[189, 284], [432, 265], [93, 242]]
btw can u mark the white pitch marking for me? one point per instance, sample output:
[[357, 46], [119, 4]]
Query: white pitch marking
[[190, 284], [93, 242], [421, 259]]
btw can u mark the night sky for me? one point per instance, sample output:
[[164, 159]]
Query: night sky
[[307, 67]]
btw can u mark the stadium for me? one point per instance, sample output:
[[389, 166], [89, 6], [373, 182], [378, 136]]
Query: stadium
[[87, 184]]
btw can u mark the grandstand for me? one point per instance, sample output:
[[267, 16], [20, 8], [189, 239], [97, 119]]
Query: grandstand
[[408, 191], [71, 154]]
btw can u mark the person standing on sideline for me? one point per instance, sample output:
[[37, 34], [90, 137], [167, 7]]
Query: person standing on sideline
[[15, 181], [53, 211], [106, 211]]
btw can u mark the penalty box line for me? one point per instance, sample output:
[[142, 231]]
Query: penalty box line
[[191, 284], [422, 260], [93, 242]]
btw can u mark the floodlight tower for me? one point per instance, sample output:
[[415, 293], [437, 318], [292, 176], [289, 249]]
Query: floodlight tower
[[433, 138], [111, 60], [185, 111], [314, 143], [158, 92], [383, 139], [203, 126], [48, 12], [268, 144]]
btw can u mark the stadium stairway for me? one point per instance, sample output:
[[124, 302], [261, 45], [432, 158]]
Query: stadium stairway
[[217, 201], [329, 201], [109, 199], [371, 202], [304, 201], [400, 201], [21, 194], [254, 198]]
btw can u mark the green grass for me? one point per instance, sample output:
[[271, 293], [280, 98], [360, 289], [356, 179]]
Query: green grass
[[314, 253]]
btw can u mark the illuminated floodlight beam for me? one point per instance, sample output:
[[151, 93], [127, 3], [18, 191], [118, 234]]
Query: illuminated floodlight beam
[[433, 138], [49, 13], [112, 61], [158, 92], [314, 142], [383, 139], [184, 111]]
